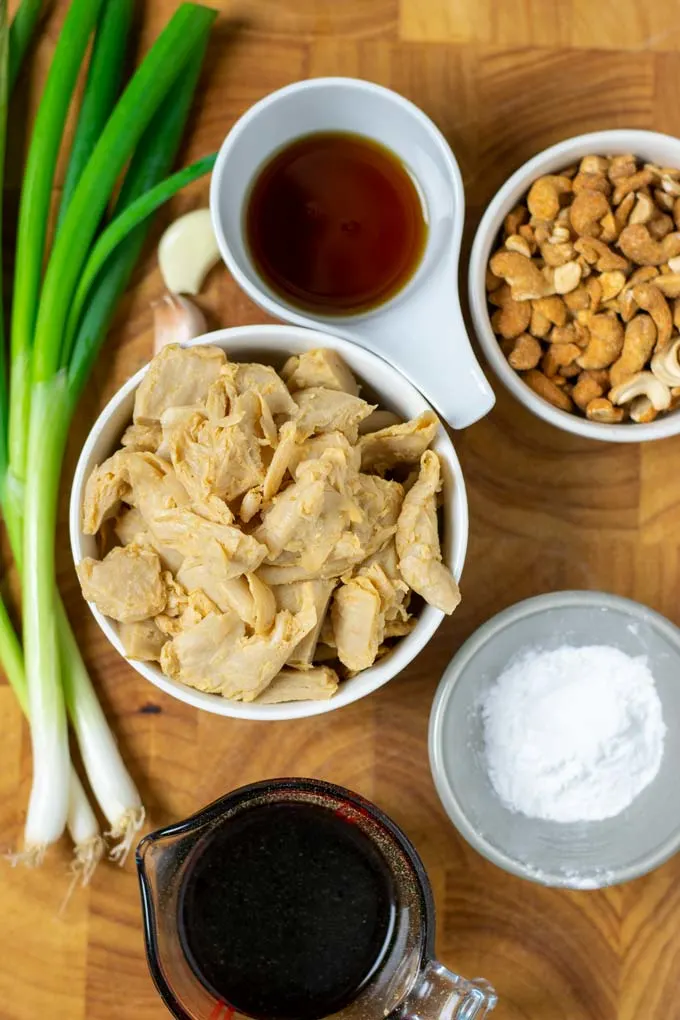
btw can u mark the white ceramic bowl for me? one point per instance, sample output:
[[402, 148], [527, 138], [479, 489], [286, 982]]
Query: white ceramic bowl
[[272, 345], [651, 148]]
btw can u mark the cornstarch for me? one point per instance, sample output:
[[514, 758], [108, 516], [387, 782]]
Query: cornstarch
[[573, 734]]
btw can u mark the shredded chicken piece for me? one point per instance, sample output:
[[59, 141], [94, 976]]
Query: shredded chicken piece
[[280, 462], [130, 527], [398, 444], [211, 658], [377, 420], [314, 448], [321, 367], [358, 623], [248, 377], [142, 437], [233, 552], [317, 684], [106, 488], [177, 377], [293, 597], [417, 540], [324, 410], [126, 585], [143, 640]]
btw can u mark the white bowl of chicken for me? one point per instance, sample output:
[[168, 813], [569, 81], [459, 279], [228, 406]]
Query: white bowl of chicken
[[258, 539]]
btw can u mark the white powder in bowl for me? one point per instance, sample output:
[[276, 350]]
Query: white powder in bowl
[[573, 734]]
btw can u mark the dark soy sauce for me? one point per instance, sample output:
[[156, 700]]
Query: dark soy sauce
[[287, 912], [335, 223]]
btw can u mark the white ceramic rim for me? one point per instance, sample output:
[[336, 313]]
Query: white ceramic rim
[[554, 158], [482, 636], [454, 546], [265, 298]]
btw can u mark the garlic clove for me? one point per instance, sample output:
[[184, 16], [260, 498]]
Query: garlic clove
[[176, 320], [187, 251]]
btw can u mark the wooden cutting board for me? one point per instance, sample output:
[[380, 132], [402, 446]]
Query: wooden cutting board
[[503, 79]]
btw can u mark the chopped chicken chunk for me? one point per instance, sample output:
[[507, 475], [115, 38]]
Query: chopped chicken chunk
[[143, 640], [314, 448], [106, 488], [398, 444], [324, 410], [177, 377], [248, 377], [358, 623], [280, 462], [230, 594], [212, 659], [185, 531], [126, 585], [142, 437], [321, 367], [417, 539], [293, 597], [130, 527], [317, 684], [377, 420]]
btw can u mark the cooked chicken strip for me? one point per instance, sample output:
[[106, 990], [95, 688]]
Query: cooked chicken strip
[[280, 462], [142, 437], [130, 527], [177, 377], [358, 623], [293, 597], [143, 640], [317, 684], [377, 420], [233, 552], [398, 444], [230, 594], [238, 668], [105, 489], [321, 367], [324, 410], [314, 448], [154, 486], [247, 377], [417, 540], [126, 585]]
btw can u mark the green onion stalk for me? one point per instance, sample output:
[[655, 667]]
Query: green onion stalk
[[49, 366]]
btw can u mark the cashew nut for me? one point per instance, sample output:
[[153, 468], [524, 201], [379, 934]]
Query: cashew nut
[[642, 411], [668, 284], [621, 167], [625, 185], [644, 384], [674, 264], [515, 219], [492, 282], [585, 181], [544, 196], [602, 410], [606, 341], [648, 297], [600, 255], [539, 324], [637, 244], [525, 278], [666, 363], [586, 211], [559, 356], [525, 353], [594, 165], [638, 344], [644, 209], [611, 284], [622, 211], [567, 277], [610, 230], [546, 388], [557, 254], [585, 390], [563, 334], [515, 242], [512, 318], [553, 307], [527, 232], [660, 225]]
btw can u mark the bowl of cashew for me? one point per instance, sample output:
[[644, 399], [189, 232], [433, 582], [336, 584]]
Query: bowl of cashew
[[574, 283]]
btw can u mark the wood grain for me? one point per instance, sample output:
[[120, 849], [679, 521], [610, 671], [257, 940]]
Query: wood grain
[[503, 79]]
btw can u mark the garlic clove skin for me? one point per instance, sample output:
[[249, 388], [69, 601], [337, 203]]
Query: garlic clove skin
[[176, 320], [187, 251]]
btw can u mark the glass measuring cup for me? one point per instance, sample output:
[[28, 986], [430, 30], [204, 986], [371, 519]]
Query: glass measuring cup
[[408, 984]]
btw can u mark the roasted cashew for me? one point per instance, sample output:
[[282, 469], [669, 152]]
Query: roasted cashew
[[621, 167], [525, 354], [511, 319], [598, 254], [492, 282], [527, 232], [586, 211], [515, 242], [557, 254], [602, 410], [594, 165], [563, 334], [515, 219], [564, 279], [644, 384], [539, 324], [666, 363], [609, 228], [544, 196], [660, 226], [585, 390], [638, 344], [625, 185], [637, 244], [623, 211], [606, 341], [591, 182], [547, 389], [644, 209], [642, 410], [648, 297], [665, 202], [611, 284], [668, 284], [559, 356], [525, 278], [553, 307]]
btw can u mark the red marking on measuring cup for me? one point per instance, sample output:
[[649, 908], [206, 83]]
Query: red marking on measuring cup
[[222, 1012]]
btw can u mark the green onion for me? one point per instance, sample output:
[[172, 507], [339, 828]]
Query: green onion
[[20, 35]]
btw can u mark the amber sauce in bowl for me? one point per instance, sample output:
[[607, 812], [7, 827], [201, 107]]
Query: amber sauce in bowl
[[335, 224]]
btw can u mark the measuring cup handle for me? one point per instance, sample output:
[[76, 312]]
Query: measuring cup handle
[[439, 994]]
